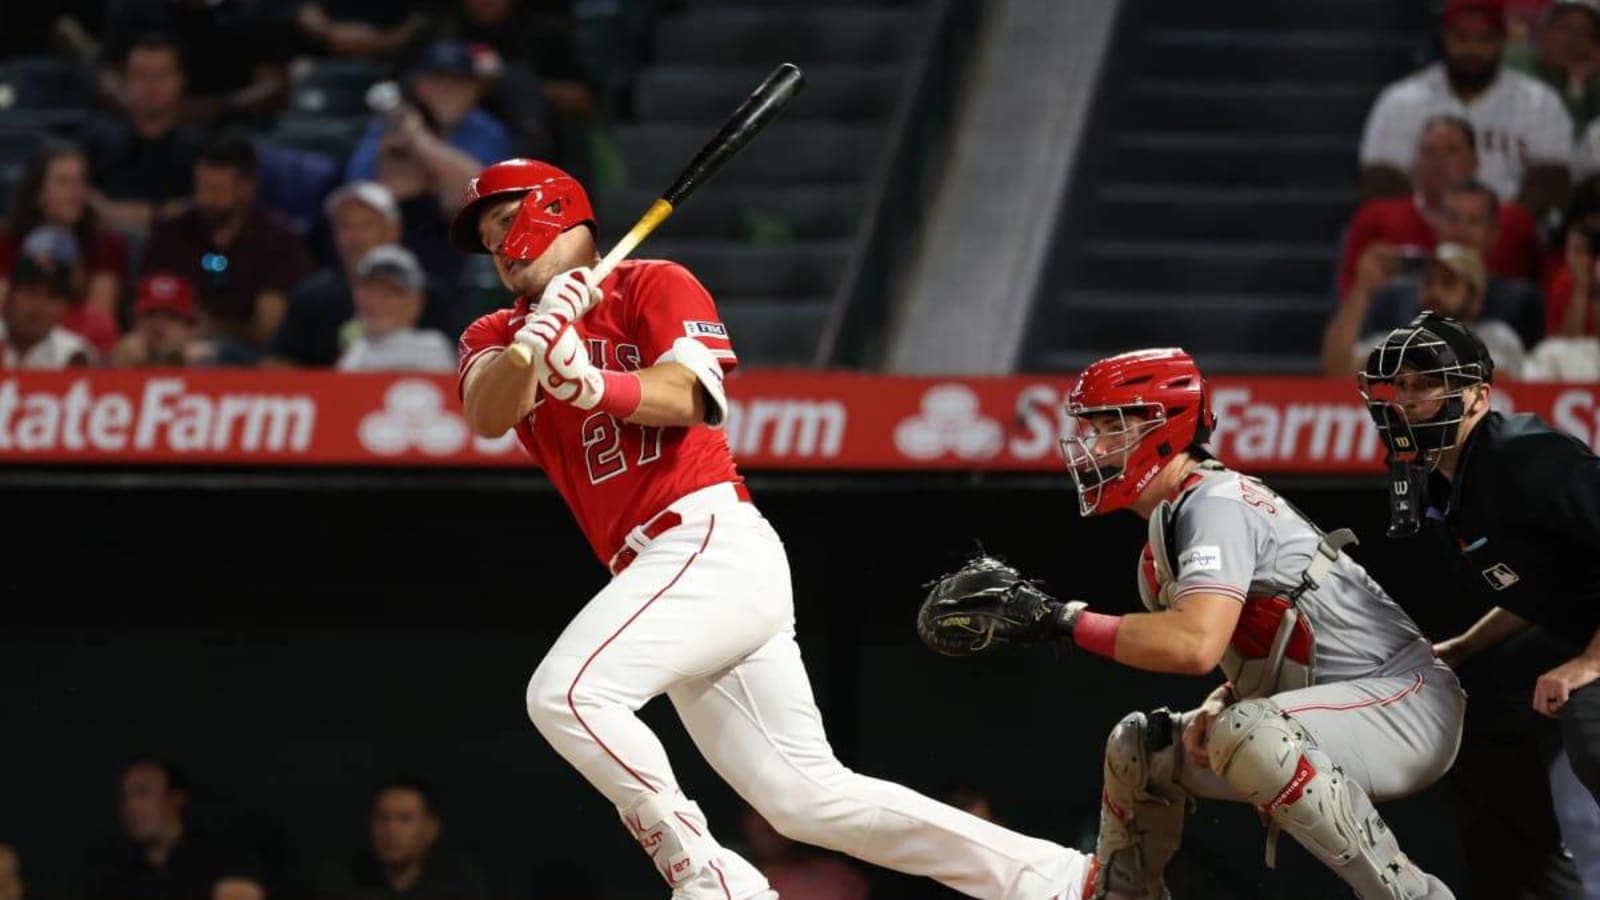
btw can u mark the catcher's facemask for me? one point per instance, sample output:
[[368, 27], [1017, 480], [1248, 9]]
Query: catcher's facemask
[[1097, 452]]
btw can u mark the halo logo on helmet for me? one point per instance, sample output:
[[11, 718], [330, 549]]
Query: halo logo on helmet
[[552, 202], [1162, 406], [1414, 385]]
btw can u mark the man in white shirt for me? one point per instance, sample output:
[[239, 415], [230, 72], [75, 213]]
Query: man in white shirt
[[31, 336], [389, 299], [1524, 132]]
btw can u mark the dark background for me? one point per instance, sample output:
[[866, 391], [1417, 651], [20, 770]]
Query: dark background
[[293, 639]]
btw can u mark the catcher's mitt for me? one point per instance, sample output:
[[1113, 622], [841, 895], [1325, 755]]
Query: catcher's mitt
[[986, 603]]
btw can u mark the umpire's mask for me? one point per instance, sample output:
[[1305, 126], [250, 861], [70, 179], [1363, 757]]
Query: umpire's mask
[[1414, 385]]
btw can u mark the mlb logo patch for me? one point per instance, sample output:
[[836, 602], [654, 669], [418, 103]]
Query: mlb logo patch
[[706, 329], [1500, 576]]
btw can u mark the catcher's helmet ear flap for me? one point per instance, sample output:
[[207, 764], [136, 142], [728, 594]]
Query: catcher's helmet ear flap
[[553, 202], [1162, 406]]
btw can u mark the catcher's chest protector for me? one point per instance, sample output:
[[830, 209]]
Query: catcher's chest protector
[[1273, 648]]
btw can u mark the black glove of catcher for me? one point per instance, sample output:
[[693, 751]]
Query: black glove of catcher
[[986, 603]]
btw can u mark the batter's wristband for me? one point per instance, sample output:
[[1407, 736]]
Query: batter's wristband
[[622, 395], [1097, 633]]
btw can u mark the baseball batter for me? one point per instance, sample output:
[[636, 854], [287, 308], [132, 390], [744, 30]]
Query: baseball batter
[[1334, 699], [620, 410]]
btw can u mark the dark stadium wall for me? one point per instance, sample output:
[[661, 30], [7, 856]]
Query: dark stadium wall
[[290, 646]]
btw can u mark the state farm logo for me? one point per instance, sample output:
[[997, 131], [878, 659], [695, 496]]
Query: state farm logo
[[950, 422], [413, 416]]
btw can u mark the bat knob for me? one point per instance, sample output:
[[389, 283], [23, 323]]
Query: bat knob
[[520, 355]]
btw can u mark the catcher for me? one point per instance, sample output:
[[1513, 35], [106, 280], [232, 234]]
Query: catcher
[[1333, 701]]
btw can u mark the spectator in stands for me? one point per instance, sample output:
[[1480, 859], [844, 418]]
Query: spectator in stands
[[363, 216], [795, 871], [427, 150], [363, 28], [403, 859], [243, 258], [1379, 300], [31, 336], [163, 325], [1567, 57], [1524, 133], [1454, 283], [11, 886], [142, 165], [542, 90], [389, 301], [235, 53], [57, 247], [54, 191], [1446, 156], [162, 854]]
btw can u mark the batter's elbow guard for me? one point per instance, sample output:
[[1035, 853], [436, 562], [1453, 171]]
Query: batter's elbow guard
[[697, 358]]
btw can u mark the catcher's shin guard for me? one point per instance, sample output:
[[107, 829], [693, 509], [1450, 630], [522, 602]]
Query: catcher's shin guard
[[1267, 756], [1141, 808]]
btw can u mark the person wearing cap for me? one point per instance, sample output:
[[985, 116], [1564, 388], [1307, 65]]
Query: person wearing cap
[[31, 335], [426, 149], [91, 321], [389, 301], [163, 328], [1454, 284], [1566, 56], [1524, 132], [1385, 295], [441, 130], [363, 216], [1508, 509]]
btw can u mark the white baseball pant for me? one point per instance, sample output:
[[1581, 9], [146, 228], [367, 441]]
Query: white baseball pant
[[705, 614]]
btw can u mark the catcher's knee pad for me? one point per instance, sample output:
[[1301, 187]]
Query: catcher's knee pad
[[1142, 807], [1266, 755]]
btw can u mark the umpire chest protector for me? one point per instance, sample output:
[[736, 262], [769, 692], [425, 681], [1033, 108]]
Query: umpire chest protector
[[1273, 647]]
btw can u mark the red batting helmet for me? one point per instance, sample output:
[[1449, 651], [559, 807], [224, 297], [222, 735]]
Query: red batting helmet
[[1164, 390], [553, 202]]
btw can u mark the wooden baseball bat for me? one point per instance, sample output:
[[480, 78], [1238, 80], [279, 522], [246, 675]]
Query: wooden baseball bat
[[759, 109]]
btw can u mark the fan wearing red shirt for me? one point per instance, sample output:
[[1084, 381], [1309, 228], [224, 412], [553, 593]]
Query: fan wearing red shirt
[[621, 409], [1446, 156]]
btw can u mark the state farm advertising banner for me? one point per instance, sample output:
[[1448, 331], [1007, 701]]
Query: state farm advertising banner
[[777, 420]]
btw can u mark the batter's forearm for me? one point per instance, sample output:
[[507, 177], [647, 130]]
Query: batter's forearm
[[498, 395], [669, 396]]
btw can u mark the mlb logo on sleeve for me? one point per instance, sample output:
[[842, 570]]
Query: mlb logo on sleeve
[[1205, 558], [705, 329]]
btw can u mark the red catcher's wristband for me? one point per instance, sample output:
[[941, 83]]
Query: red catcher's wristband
[[1097, 633], [622, 394]]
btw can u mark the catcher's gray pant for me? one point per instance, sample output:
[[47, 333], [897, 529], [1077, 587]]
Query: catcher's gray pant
[[705, 615], [1314, 760]]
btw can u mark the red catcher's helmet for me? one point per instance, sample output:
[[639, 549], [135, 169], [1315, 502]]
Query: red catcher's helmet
[[554, 202], [1162, 405]]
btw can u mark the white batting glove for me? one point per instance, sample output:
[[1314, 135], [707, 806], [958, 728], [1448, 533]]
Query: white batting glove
[[561, 361], [570, 294]]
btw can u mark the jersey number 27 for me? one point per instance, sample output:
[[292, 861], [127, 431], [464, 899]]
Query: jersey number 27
[[603, 452]]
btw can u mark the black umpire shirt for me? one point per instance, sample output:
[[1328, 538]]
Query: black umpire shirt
[[1520, 524]]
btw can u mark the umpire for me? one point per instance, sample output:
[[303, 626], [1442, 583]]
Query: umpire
[[1514, 507]]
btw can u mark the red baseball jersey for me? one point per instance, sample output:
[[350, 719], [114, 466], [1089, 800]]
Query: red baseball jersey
[[612, 474]]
